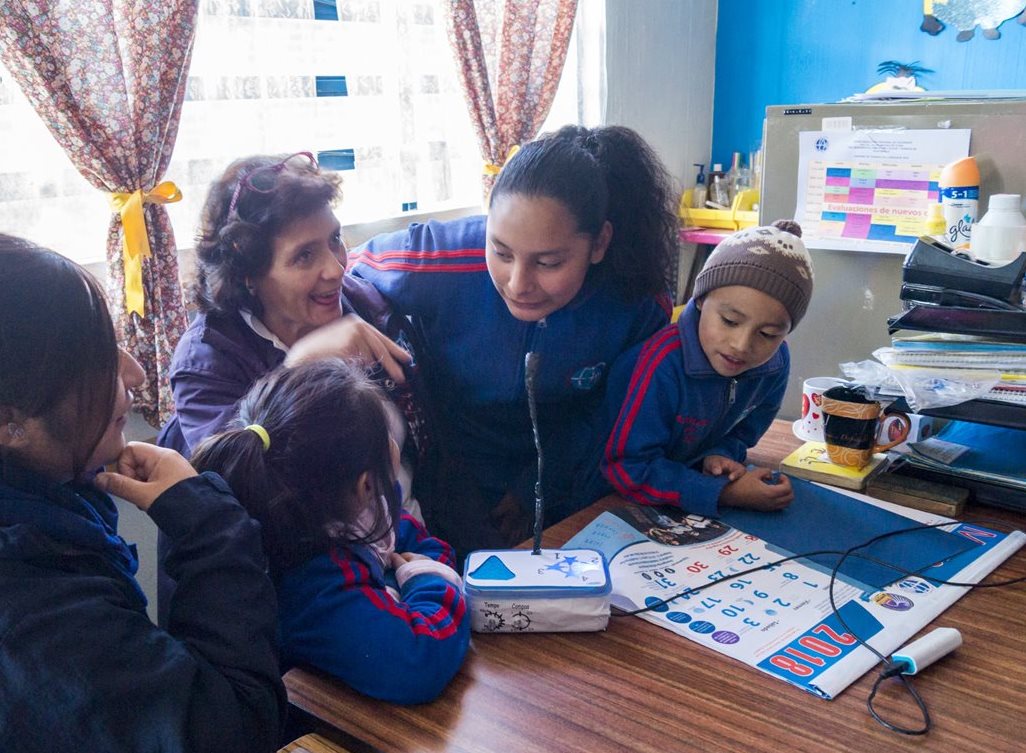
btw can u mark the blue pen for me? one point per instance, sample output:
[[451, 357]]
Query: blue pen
[[774, 477]]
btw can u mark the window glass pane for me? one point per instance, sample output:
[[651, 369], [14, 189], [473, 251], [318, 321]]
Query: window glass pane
[[42, 196], [369, 84]]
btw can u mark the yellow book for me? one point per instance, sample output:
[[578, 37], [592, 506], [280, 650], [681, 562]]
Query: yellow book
[[810, 461]]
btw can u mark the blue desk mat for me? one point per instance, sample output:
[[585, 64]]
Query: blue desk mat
[[820, 518]]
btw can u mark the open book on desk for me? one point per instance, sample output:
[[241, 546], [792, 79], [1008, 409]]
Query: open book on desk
[[779, 619]]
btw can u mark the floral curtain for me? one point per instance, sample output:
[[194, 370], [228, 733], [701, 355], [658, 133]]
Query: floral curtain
[[108, 78], [510, 56]]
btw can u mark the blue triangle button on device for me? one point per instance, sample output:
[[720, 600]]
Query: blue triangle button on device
[[493, 568]]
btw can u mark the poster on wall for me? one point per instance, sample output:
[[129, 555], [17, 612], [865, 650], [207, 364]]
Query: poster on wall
[[870, 190]]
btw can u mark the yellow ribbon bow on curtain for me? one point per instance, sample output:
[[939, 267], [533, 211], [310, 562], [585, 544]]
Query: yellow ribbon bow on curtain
[[136, 245], [491, 168]]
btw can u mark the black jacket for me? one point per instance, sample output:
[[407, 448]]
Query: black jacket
[[83, 669]]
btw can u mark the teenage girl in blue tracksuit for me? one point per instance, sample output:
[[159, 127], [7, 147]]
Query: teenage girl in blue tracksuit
[[570, 264], [364, 592]]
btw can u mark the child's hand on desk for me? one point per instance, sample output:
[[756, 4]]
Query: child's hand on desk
[[718, 465], [756, 491]]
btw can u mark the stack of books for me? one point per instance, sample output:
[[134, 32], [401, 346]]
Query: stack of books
[[955, 356]]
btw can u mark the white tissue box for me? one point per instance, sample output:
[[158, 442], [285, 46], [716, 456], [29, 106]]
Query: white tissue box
[[555, 591]]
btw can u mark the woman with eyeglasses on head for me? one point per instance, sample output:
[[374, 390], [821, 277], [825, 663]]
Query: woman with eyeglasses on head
[[570, 263], [270, 265], [82, 668], [270, 271]]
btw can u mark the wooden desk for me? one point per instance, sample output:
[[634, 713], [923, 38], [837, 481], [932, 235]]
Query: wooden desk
[[637, 687]]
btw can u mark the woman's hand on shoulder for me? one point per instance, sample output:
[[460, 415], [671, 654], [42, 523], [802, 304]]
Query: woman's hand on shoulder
[[143, 472], [351, 339], [755, 491]]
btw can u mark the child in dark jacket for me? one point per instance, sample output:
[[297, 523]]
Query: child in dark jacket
[[82, 668], [701, 391], [364, 592]]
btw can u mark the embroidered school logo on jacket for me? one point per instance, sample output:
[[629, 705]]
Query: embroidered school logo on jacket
[[693, 428], [587, 377]]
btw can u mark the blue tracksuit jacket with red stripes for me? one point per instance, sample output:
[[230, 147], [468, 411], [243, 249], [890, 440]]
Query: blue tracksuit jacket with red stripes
[[336, 614], [436, 274], [678, 410]]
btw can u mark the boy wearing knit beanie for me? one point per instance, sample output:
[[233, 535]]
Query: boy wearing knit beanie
[[702, 391]]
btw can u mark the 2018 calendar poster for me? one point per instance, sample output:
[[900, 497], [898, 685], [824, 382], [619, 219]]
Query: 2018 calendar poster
[[779, 619]]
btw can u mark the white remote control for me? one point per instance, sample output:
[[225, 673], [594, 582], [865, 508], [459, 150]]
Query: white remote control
[[920, 654]]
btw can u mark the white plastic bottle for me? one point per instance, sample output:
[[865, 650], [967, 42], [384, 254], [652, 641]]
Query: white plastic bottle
[[1001, 235]]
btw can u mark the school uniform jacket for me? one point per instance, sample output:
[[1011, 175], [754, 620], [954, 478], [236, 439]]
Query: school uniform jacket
[[337, 614], [678, 410], [82, 668], [475, 349]]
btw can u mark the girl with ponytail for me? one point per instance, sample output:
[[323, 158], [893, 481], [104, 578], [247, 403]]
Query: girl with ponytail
[[364, 592]]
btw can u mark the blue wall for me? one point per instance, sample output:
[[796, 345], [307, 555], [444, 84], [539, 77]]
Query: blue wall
[[775, 52]]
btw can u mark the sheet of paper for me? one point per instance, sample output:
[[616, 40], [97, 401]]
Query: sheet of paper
[[939, 450], [870, 190]]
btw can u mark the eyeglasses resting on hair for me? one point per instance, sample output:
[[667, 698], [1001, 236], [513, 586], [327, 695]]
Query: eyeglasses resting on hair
[[265, 179]]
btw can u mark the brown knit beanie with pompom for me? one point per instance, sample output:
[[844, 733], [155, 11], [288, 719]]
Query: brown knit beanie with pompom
[[770, 258]]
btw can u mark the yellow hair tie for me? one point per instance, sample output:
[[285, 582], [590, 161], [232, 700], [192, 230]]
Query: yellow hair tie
[[261, 432], [135, 244], [491, 168]]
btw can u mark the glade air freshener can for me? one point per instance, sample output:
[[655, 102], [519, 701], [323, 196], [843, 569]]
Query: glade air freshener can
[[959, 196]]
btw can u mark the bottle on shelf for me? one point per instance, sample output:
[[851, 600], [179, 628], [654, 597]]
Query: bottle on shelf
[[738, 177], [719, 194], [755, 167], [698, 193], [1000, 235]]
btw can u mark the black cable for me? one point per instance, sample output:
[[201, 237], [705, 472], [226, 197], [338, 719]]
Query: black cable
[[530, 373], [889, 667]]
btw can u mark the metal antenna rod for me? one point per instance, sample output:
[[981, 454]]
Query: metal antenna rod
[[530, 371]]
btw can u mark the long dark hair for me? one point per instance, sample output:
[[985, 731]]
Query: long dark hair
[[602, 174], [58, 352], [232, 247], [327, 426]]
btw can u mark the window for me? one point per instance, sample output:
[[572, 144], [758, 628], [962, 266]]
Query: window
[[368, 85], [42, 196]]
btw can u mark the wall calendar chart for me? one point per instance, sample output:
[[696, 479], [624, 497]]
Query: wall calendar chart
[[871, 190]]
